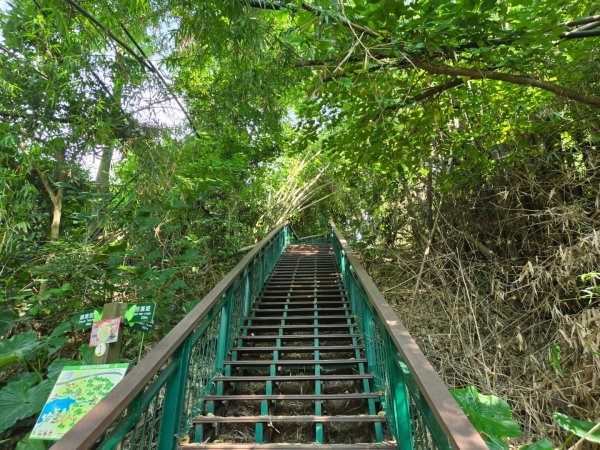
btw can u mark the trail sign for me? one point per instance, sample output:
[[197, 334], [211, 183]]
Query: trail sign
[[142, 326], [85, 319], [139, 316]]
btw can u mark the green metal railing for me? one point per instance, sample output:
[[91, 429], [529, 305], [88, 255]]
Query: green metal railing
[[152, 407], [420, 411]]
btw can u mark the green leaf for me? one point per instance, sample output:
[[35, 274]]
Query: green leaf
[[87, 353], [577, 427], [30, 444], [489, 414], [18, 347], [7, 320], [22, 401], [56, 339], [496, 443], [542, 444], [56, 367]]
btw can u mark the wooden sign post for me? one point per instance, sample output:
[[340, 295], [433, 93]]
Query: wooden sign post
[[107, 335], [112, 354]]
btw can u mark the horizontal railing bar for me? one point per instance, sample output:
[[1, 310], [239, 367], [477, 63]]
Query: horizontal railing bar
[[95, 422], [458, 429]]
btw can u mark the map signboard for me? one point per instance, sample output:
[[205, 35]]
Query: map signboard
[[77, 390]]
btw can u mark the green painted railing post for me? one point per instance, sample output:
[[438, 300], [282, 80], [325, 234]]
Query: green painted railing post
[[223, 333], [401, 406], [261, 268], [173, 400], [248, 290], [288, 235], [367, 321], [343, 267]]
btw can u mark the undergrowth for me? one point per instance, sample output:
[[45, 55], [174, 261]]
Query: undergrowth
[[501, 292]]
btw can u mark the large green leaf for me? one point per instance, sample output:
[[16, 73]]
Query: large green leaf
[[29, 444], [7, 320], [20, 399], [577, 427], [542, 444], [495, 443], [18, 347], [56, 367], [489, 414], [56, 339]]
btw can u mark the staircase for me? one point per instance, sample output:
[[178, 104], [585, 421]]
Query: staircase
[[296, 376], [295, 348]]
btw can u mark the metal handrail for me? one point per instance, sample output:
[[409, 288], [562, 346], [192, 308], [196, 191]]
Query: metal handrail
[[141, 386], [410, 367]]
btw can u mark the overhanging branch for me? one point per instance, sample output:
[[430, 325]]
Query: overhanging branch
[[522, 80]]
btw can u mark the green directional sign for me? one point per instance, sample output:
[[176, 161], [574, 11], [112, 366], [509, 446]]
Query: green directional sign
[[85, 319], [139, 316], [142, 326]]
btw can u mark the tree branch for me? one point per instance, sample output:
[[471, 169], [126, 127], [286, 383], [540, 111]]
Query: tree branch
[[276, 6], [582, 21], [523, 80], [140, 58], [431, 92], [109, 33], [53, 196], [16, 115]]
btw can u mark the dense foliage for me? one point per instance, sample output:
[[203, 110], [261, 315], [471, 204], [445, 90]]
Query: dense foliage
[[143, 144]]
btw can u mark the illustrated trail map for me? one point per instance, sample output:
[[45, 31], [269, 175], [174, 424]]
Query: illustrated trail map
[[76, 391]]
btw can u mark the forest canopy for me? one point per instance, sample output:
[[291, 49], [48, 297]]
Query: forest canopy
[[144, 144]]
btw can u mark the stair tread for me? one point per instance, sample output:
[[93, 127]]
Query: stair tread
[[286, 446], [299, 327], [312, 397], [329, 316], [298, 348], [281, 310], [293, 362], [298, 337], [303, 302], [288, 419], [288, 378]]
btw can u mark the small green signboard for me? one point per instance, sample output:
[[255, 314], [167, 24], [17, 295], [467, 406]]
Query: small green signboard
[[143, 326], [139, 316], [85, 319]]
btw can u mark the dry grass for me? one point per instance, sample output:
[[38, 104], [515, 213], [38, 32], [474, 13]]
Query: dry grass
[[498, 300]]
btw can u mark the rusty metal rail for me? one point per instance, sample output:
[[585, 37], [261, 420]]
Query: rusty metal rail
[[420, 410]]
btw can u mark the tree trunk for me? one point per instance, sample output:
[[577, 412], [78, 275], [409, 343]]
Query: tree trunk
[[56, 197], [103, 173]]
